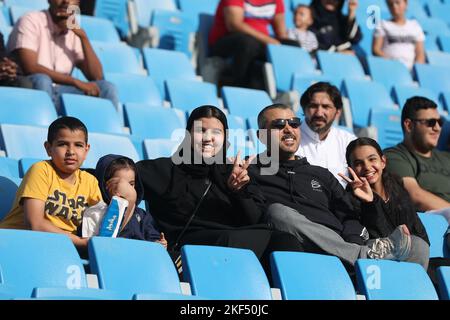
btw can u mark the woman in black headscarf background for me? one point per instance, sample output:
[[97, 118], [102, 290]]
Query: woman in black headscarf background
[[334, 30], [231, 212]]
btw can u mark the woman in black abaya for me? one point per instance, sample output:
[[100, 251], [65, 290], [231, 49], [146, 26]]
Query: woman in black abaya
[[230, 213]]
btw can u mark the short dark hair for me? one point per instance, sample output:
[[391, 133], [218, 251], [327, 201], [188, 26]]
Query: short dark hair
[[261, 116], [118, 164], [332, 91], [70, 123], [414, 104]]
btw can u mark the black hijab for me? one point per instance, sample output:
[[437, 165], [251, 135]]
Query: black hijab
[[215, 168]]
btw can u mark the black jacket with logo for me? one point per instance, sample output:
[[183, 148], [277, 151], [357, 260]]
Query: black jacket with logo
[[314, 192]]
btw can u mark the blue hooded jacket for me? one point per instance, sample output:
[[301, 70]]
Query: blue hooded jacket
[[141, 225]]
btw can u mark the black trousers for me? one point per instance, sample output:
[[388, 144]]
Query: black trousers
[[247, 55]]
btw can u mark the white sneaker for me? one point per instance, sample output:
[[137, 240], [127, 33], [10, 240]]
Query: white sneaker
[[395, 247]]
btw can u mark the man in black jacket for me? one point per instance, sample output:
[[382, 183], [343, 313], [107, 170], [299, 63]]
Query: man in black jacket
[[309, 202]]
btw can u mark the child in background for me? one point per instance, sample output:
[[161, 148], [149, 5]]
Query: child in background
[[303, 19], [117, 176], [399, 38], [54, 193]]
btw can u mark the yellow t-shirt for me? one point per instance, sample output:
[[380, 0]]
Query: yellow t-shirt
[[64, 202]]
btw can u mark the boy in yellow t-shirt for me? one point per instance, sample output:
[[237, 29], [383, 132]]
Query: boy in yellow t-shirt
[[54, 193]]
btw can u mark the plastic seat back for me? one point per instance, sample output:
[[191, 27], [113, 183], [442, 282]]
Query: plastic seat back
[[393, 280], [132, 266], [224, 273], [306, 276]]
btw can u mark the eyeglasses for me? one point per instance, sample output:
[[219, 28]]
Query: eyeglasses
[[294, 123], [430, 122]]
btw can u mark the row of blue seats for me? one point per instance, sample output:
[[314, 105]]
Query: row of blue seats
[[435, 225], [128, 269]]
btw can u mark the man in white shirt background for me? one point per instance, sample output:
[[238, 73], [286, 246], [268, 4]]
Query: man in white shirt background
[[322, 143]]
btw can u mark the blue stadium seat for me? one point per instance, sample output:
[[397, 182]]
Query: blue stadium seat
[[287, 61], [435, 78], [176, 30], [4, 21], [389, 72], [307, 276], [132, 266], [99, 29], [431, 43], [340, 66], [433, 26], [25, 164], [388, 124], [301, 82], [9, 167], [21, 141], [224, 273], [252, 124], [245, 102], [165, 64], [444, 43], [237, 134], [135, 88], [31, 107], [415, 10], [365, 45], [8, 189], [115, 11], [438, 58], [99, 115], [364, 4], [16, 12], [6, 31], [194, 8], [403, 93], [187, 95], [443, 277], [158, 148], [145, 8], [102, 144], [439, 10], [392, 280], [25, 267], [154, 123], [34, 4], [295, 3], [117, 58], [364, 96], [436, 226]]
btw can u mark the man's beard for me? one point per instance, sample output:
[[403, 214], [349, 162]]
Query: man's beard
[[319, 130]]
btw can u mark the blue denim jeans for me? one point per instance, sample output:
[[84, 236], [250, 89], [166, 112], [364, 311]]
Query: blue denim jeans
[[44, 82]]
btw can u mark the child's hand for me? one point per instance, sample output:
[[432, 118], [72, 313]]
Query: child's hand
[[121, 188], [162, 240], [352, 6]]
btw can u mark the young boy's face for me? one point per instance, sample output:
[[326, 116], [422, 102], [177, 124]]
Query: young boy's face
[[397, 7], [68, 150], [303, 18]]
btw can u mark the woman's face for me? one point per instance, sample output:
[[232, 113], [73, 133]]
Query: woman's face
[[207, 136], [330, 5], [367, 163]]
